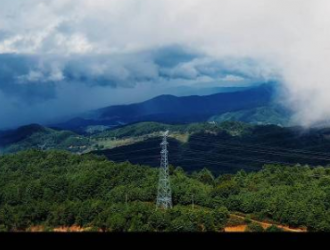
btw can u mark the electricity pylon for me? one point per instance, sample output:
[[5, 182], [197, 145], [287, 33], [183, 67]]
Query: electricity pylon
[[164, 196]]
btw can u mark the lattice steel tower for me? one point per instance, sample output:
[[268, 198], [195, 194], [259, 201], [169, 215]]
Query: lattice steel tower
[[164, 196]]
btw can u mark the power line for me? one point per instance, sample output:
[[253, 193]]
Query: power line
[[274, 148], [229, 146], [273, 152], [192, 151], [215, 153], [211, 162], [243, 158], [233, 158], [270, 149]]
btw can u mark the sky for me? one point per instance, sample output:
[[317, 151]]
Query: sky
[[62, 57]]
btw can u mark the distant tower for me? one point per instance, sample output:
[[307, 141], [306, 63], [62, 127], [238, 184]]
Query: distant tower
[[164, 196]]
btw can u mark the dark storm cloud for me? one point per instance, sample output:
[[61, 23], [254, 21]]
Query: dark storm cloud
[[49, 88], [34, 78], [13, 68]]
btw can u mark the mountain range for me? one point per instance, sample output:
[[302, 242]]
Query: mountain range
[[247, 104], [246, 117]]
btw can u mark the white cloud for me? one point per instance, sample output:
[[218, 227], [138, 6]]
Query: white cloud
[[232, 78], [290, 37]]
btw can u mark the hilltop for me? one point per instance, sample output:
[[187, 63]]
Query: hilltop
[[35, 136]]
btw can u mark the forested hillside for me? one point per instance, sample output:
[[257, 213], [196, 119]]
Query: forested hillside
[[35, 136], [155, 128], [59, 189], [223, 147], [53, 189], [270, 114]]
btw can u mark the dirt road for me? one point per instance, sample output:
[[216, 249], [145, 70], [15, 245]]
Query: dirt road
[[265, 225]]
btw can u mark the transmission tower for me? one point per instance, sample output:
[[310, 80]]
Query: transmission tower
[[164, 196]]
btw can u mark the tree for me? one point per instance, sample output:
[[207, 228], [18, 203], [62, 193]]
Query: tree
[[221, 216], [117, 223], [205, 176], [254, 228], [3, 228], [159, 221], [274, 229], [226, 188], [182, 224], [7, 217]]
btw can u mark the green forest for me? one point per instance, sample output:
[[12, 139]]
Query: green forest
[[55, 188], [35, 136], [146, 128]]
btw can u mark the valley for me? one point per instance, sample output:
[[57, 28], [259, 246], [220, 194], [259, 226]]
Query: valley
[[225, 147]]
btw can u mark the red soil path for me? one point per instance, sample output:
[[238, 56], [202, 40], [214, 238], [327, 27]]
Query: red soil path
[[265, 225]]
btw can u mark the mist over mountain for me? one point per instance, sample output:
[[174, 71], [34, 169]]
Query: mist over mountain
[[31, 85], [85, 55], [173, 109]]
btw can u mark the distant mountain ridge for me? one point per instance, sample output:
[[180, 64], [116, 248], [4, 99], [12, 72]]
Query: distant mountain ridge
[[19, 134], [176, 110], [271, 114], [202, 91], [39, 137]]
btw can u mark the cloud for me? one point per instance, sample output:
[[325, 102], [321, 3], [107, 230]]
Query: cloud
[[29, 77], [233, 78], [120, 45], [48, 88]]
